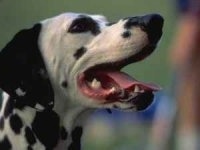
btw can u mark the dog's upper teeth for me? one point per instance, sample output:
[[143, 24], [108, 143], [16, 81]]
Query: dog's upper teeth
[[133, 94], [113, 89], [141, 91], [95, 84], [137, 89]]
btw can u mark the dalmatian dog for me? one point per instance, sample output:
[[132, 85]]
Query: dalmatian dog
[[55, 74]]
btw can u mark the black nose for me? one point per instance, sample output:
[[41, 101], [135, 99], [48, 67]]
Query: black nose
[[152, 24]]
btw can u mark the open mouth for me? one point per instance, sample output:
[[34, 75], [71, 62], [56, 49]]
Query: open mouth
[[106, 83]]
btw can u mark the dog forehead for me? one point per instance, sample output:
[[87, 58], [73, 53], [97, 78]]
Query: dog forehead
[[96, 17], [69, 17]]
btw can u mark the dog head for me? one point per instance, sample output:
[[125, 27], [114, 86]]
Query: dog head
[[85, 54], [78, 57]]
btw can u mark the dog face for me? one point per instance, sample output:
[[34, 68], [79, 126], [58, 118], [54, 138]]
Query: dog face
[[83, 55]]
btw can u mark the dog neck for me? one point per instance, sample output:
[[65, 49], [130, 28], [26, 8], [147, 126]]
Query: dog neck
[[72, 120]]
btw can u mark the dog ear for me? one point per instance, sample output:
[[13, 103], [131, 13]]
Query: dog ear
[[22, 71]]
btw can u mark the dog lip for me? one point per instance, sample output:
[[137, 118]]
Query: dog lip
[[142, 101], [110, 86]]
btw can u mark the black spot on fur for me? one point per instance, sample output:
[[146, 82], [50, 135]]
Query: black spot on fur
[[63, 133], [80, 52], [126, 34], [46, 128], [30, 136], [84, 24], [131, 21], [64, 84], [29, 148], [76, 136], [20, 105], [5, 144], [21, 63], [8, 107], [16, 123], [1, 123]]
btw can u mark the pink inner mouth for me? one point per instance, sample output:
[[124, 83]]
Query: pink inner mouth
[[111, 85]]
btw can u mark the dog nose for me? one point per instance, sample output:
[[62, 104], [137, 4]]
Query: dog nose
[[152, 24]]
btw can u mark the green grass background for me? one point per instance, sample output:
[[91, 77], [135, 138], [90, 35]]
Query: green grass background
[[19, 14]]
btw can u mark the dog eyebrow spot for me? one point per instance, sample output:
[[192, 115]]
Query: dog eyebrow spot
[[126, 34], [80, 52], [84, 24]]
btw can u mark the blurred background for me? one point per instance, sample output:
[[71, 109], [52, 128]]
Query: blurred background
[[151, 129]]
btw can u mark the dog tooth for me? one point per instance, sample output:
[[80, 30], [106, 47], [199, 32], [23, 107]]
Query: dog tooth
[[137, 89], [133, 94], [141, 91], [112, 90], [95, 83]]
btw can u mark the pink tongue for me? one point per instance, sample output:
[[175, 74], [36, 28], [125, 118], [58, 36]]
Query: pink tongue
[[126, 82]]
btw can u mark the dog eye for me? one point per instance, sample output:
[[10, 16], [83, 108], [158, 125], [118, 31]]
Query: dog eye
[[78, 28], [83, 24]]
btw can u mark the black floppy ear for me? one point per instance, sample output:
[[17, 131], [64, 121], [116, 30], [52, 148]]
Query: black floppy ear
[[22, 71]]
